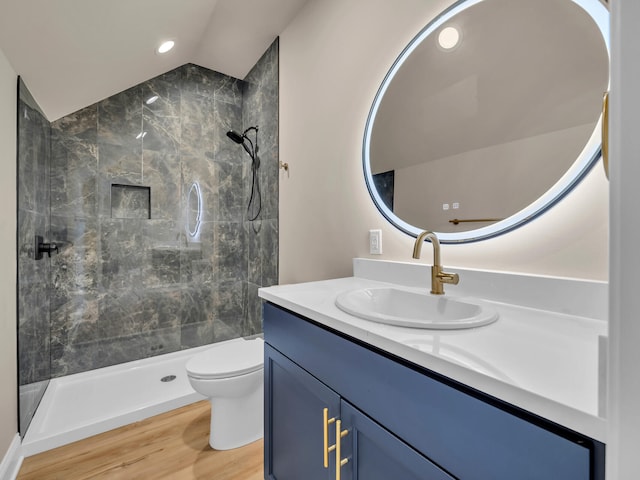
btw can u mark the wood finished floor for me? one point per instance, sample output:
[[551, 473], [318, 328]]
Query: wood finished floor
[[174, 445]]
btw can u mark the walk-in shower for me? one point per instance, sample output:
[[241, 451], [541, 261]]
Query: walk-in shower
[[155, 252]]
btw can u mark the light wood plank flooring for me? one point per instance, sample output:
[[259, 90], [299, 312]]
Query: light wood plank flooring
[[174, 445]]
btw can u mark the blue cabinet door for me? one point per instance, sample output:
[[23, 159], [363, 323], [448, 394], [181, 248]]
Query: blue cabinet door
[[294, 432], [373, 453]]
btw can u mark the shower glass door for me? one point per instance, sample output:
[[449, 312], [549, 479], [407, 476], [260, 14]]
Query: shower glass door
[[34, 264]]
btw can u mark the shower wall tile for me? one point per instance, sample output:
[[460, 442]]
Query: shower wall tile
[[33, 293], [202, 81], [126, 289], [228, 201], [120, 119], [160, 133], [75, 358], [196, 170], [269, 244], [121, 162], [80, 317], [134, 311], [229, 300], [197, 304], [197, 334], [229, 252], [161, 172], [253, 321], [261, 108]]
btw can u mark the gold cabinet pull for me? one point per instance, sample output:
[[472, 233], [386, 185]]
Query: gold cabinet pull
[[326, 421], [339, 461]]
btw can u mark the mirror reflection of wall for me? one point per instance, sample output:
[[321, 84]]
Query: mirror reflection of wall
[[492, 123]]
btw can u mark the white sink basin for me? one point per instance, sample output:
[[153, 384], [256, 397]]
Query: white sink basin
[[416, 309]]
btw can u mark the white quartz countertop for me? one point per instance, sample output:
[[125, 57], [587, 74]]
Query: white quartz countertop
[[542, 361]]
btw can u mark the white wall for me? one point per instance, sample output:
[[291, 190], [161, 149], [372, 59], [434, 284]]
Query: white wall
[[8, 368], [333, 57]]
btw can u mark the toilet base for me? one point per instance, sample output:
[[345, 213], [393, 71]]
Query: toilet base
[[237, 421]]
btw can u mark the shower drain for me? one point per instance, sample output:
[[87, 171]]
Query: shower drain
[[168, 378]]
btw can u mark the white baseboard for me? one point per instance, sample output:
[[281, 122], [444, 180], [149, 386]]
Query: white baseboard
[[10, 465]]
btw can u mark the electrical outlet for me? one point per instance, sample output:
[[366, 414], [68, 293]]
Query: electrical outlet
[[456, 205], [375, 242]]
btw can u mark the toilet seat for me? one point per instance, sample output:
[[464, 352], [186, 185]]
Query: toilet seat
[[227, 359]]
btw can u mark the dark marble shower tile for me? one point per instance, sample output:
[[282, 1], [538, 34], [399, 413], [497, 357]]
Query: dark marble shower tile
[[269, 171], [79, 127], [161, 133], [269, 253], [135, 311], [161, 172], [253, 233], [161, 94], [152, 285], [33, 331], [197, 334], [229, 252], [34, 144], [74, 195], [262, 244], [229, 301], [76, 358], [74, 232], [228, 117], [198, 125], [120, 119], [253, 320], [229, 202], [165, 266], [205, 82], [260, 107], [197, 304], [74, 317], [75, 164], [120, 161], [30, 224], [226, 329], [195, 265], [198, 109], [124, 254], [200, 171]]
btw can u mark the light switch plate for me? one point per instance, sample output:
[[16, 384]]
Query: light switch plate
[[375, 242]]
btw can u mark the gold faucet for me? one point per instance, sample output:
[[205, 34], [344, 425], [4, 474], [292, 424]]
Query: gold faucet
[[438, 277]]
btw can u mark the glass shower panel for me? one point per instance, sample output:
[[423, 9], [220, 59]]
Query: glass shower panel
[[34, 196]]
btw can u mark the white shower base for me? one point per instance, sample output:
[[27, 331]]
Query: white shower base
[[85, 404]]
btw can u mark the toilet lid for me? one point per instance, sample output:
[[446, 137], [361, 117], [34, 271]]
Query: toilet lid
[[228, 359]]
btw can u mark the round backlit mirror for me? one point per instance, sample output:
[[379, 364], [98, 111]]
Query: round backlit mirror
[[489, 116]]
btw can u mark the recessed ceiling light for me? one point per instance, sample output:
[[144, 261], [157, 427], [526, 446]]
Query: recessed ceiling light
[[449, 37], [166, 46]]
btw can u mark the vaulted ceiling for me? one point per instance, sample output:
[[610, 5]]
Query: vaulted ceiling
[[73, 53]]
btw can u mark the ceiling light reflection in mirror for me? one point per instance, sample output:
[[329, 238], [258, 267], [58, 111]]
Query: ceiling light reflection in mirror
[[495, 115]]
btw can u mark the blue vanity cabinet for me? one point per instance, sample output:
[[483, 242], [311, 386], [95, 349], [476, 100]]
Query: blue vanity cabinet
[[295, 433], [400, 417], [373, 453], [294, 404]]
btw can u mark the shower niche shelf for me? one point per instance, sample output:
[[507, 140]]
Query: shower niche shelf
[[130, 201]]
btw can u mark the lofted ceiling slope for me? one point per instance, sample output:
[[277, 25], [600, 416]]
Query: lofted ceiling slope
[[73, 53]]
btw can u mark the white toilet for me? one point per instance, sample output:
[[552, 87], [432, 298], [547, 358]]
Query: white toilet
[[230, 373]]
